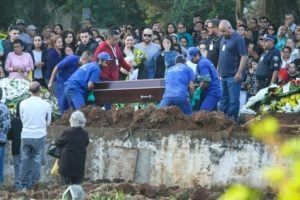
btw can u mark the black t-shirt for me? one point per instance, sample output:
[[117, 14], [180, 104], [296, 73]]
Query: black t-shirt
[[297, 63], [213, 49]]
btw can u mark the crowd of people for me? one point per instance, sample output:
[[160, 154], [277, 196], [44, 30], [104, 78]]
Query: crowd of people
[[212, 66]]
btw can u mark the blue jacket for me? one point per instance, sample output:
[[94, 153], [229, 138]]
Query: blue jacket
[[4, 123]]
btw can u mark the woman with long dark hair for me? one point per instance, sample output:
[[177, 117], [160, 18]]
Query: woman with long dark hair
[[69, 39], [171, 28], [39, 56], [166, 57], [129, 53]]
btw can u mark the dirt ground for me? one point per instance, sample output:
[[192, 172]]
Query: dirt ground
[[104, 190], [170, 118]]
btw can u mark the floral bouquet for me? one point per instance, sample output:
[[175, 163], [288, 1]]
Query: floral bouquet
[[3, 36], [134, 60], [139, 56], [16, 90], [284, 98], [294, 85]]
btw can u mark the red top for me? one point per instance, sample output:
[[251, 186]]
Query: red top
[[111, 72]]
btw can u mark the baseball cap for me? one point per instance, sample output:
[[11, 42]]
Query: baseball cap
[[31, 28], [268, 37], [104, 56], [191, 52], [20, 21], [180, 59]]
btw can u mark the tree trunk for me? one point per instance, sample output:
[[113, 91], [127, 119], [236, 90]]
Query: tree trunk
[[239, 7]]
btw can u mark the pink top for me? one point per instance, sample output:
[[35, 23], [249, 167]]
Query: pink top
[[23, 61]]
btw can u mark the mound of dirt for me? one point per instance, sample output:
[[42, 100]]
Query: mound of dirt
[[170, 118]]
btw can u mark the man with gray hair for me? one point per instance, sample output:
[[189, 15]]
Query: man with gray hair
[[35, 114], [232, 62]]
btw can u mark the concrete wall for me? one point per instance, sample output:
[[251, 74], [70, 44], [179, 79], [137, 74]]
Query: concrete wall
[[183, 158]]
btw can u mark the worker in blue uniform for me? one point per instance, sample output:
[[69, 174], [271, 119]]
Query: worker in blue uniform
[[179, 86], [83, 80], [210, 84], [60, 74]]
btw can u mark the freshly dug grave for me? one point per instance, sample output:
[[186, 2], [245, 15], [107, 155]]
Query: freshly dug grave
[[170, 118]]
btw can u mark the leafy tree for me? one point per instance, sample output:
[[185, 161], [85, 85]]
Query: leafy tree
[[106, 12], [274, 10], [140, 12], [183, 10]]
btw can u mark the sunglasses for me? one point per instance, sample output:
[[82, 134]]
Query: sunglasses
[[147, 35]]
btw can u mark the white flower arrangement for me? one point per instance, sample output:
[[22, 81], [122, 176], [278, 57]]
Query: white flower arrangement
[[15, 90]]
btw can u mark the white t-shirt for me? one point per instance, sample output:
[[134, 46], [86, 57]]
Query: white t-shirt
[[35, 115], [193, 66], [37, 73]]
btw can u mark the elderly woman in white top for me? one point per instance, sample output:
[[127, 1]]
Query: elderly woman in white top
[[73, 143]]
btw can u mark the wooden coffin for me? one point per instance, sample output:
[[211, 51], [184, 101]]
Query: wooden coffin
[[142, 91]]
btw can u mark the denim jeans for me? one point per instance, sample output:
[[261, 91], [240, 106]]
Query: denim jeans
[[17, 168], [182, 102], [31, 160], [2, 160], [230, 100]]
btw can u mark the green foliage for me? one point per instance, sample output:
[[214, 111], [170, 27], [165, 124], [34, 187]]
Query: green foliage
[[117, 196], [184, 10], [137, 12], [116, 12], [283, 179]]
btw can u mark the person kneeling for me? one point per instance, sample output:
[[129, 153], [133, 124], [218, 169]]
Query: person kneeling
[[179, 86], [83, 80]]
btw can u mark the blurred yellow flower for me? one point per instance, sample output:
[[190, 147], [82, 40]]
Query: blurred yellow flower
[[240, 192], [265, 128], [275, 175], [291, 148]]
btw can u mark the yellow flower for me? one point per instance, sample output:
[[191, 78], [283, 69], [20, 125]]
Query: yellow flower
[[139, 56], [265, 128]]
